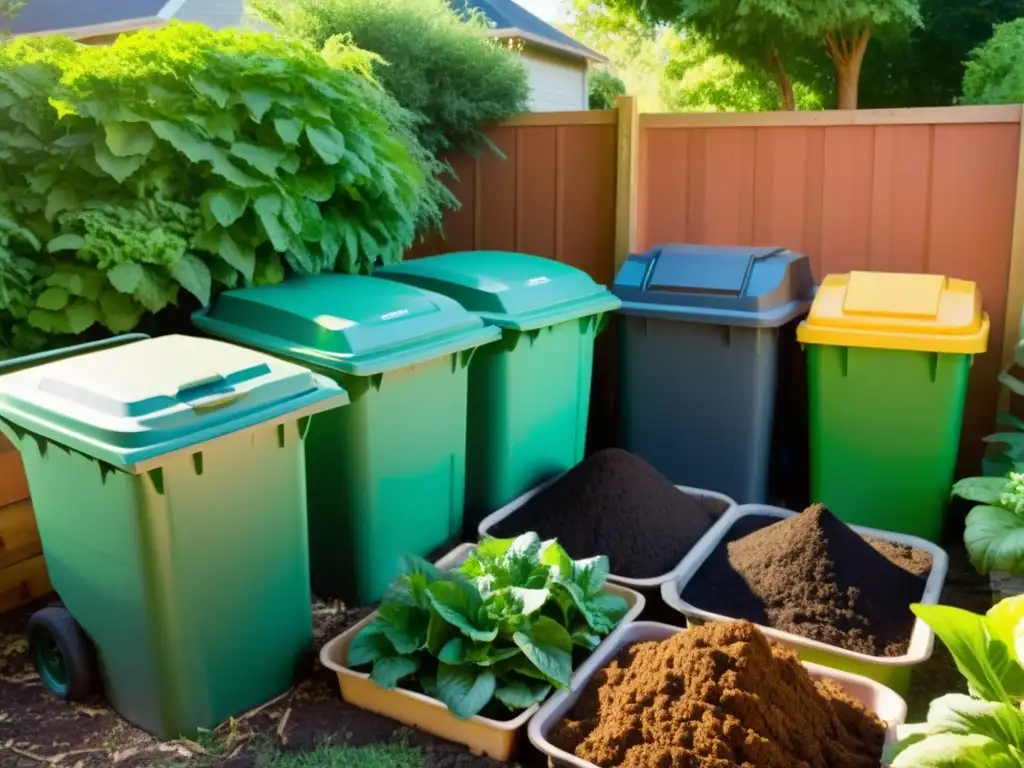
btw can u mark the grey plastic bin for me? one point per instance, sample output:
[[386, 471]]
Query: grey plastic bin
[[705, 333]]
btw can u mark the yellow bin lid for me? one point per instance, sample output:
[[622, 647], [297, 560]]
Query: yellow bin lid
[[887, 310]]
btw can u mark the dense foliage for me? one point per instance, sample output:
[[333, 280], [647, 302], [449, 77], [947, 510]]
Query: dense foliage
[[439, 64], [994, 531], [501, 626], [604, 89], [673, 68], [986, 728], [995, 70], [769, 34], [191, 159]]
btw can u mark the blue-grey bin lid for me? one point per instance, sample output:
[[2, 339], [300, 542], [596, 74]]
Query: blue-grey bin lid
[[744, 286]]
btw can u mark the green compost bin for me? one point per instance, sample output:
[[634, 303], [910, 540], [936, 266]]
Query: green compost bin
[[888, 361], [529, 396], [168, 485], [386, 475]]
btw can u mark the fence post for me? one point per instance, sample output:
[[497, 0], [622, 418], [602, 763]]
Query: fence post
[[1015, 282], [627, 177]]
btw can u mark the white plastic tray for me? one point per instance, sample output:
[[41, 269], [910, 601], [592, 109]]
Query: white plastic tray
[[892, 671], [482, 735], [885, 703], [656, 581]]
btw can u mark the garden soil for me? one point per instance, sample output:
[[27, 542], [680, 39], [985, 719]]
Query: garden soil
[[718, 696], [616, 504], [814, 576]]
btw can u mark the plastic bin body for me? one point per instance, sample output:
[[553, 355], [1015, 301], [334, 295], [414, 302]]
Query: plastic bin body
[[529, 394], [184, 559], [888, 361], [386, 475], [703, 332]]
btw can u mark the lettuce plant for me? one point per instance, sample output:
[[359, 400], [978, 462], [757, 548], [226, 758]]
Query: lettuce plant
[[986, 728], [502, 626], [994, 534]]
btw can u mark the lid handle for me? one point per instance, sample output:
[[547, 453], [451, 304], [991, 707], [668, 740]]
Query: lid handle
[[214, 402], [202, 383]]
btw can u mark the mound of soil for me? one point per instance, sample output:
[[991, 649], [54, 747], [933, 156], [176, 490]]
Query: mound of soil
[[616, 504], [814, 576], [717, 696]]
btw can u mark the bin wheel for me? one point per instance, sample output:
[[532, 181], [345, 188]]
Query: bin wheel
[[62, 654]]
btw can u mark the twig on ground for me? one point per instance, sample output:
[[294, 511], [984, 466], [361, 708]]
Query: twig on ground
[[282, 725]]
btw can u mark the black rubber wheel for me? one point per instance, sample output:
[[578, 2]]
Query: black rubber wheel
[[63, 656]]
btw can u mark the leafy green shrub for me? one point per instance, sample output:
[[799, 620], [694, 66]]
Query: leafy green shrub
[[191, 159], [986, 728], [502, 626], [994, 530], [995, 69], [438, 64], [604, 88]]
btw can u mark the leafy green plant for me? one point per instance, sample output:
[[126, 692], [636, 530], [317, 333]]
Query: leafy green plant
[[604, 89], [190, 160], [995, 70], [986, 728], [994, 531], [501, 626], [437, 63]]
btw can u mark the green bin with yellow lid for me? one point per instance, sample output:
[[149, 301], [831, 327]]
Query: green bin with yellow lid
[[888, 361]]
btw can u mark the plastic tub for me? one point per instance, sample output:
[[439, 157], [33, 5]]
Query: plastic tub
[[887, 704], [497, 739], [640, 584], [893, 672]]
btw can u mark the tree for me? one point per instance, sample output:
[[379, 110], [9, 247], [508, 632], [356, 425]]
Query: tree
[[604, 88], [673, 68], [8, 10], [766, 32], [995, 70], [926, 67]]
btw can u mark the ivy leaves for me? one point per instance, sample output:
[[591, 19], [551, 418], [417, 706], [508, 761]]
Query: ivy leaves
[[503, 626]]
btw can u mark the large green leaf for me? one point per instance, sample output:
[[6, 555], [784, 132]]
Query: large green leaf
[[264, 159], [956, 713], [987, 662], [118, 168], [465, 690], [459, 603], [368, 646], [289, 130], [68, 242], [389, 670], [548, 645], [128, 139], [946, 750], [994, 538], [82, 315], [126, 277], [328, 142], [983, 490], [194, 276], [52, 299], [239, 255], [223, 206], [1014, 442], [522, 694], [121, 313]]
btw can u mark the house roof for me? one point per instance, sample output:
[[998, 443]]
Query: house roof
[[86, 18], [512, 20]]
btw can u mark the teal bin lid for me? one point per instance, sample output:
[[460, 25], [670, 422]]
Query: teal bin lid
[[130, 404], [510, 290], [352, 324], [739, 286]]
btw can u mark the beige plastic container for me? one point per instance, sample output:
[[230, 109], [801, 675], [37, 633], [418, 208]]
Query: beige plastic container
[[893, 672], [885, 703], [497, 739], [641, 584]]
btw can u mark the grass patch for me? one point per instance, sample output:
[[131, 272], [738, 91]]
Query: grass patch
[[374, 756]]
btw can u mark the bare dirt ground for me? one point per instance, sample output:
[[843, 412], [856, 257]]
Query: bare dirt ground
[[38, 730]]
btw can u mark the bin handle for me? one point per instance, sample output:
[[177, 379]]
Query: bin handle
[[28, 361], [214, 402]]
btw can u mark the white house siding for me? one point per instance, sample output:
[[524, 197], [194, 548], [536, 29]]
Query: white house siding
[[557, 83]]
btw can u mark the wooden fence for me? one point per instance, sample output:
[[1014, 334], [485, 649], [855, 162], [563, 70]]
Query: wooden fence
[[918, 190]]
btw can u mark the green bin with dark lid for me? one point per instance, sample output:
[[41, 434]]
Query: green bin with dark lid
[[713, 393], [168, 485], [529, 395], [386, 475]]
